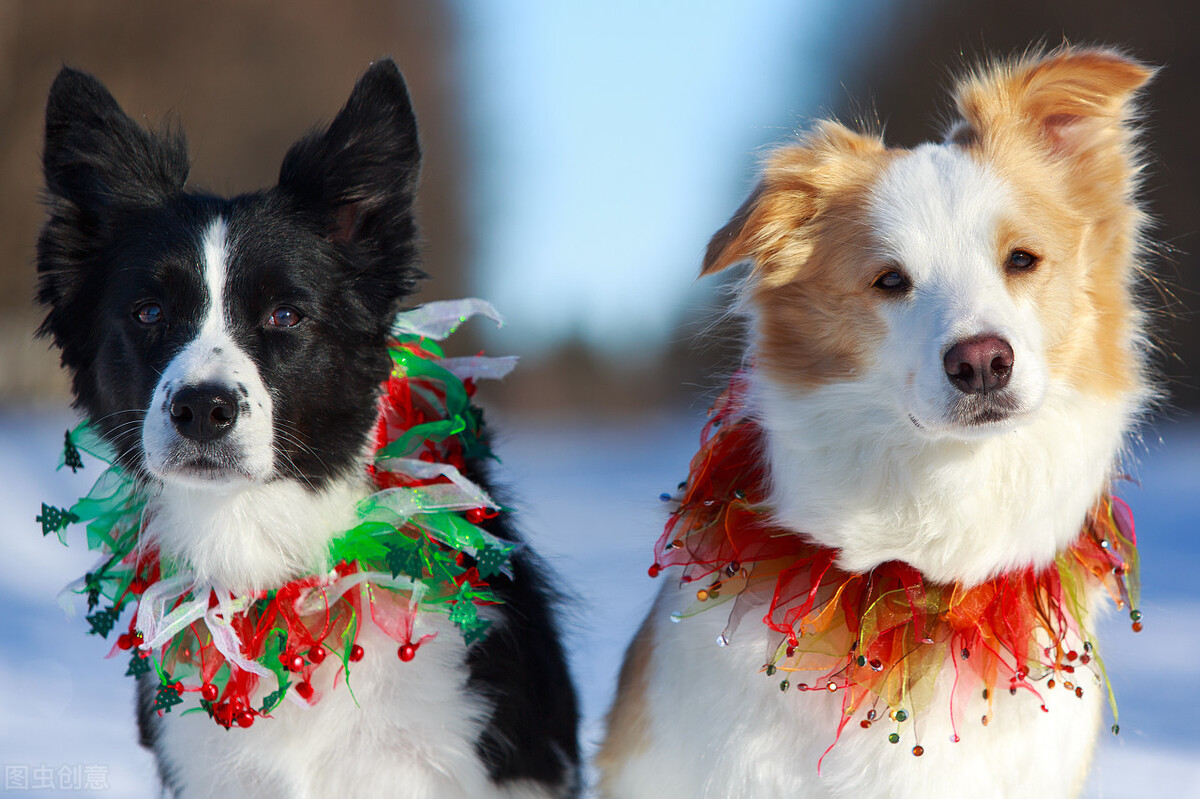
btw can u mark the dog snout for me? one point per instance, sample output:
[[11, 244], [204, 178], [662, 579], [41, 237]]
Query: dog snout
[[203, 412], [979, 365]]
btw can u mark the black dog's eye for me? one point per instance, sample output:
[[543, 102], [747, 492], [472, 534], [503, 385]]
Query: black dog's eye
[[1021, 261], [148, 313], [892, 281], [285, 316]]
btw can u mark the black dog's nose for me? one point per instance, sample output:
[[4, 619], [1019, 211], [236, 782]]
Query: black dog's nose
[[979, 365], [203, 412]]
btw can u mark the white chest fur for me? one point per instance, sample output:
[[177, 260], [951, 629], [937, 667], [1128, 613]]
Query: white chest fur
[[397, 729], [710, 705], [848, 476]]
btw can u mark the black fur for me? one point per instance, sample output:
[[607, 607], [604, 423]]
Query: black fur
[[521, 665], [335, 238]]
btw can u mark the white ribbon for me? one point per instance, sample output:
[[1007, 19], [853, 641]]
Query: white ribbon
[[153, 622], [479, 367], [461, 494], [224, 637], [437, 320], [320, 597]]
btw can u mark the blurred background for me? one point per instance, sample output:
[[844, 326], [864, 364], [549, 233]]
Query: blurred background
[[578, 156]]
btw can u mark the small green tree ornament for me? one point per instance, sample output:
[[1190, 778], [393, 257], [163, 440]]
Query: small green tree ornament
[[102, 621], [71, 453], [138, 664], [167, 697], [54, 519]]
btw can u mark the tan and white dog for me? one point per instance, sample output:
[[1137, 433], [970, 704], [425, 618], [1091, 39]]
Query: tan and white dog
[[946, 356]]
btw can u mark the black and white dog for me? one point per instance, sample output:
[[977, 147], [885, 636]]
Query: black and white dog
[[265, 317]]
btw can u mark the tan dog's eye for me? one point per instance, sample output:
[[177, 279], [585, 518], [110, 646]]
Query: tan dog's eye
[[1021, 261], [892, 281]]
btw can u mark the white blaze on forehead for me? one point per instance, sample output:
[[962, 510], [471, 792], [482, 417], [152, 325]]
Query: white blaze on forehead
[[938, 213], [213, 357], [215, 252], [936, 210]]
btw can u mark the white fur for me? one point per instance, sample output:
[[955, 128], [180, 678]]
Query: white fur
[[880, 468], [936, 211], [397, 729], [248, 536], [720, 729]]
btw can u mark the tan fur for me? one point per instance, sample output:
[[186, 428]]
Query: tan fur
[[1059, 129], [804, 229], [627, 725]]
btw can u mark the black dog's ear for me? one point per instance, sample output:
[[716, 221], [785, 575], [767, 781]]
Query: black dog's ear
[[359, 175], [95, 156], [95, 160]]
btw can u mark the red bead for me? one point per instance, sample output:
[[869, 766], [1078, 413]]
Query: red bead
[[918, 750], [125, 641], [1137, 626], [305, 690], [245, 718], [407, 652], [476, 515], [138, 638], [1072, 655], [295, 663], [864, 724], [178, 688], [654, 570], [316, 654], [356, 653], [1085, 659], [209, 692]]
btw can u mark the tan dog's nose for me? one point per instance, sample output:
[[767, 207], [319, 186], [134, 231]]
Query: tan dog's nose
[[979, 365]]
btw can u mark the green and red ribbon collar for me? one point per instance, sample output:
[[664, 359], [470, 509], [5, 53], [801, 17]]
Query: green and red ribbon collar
[[418, 546], [880, 640]]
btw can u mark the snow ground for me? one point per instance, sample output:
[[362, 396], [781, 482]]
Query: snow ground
[[588, 498]]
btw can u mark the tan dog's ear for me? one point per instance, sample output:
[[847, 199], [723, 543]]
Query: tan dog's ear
[[730, 244], [797, 183], [1074, 100]]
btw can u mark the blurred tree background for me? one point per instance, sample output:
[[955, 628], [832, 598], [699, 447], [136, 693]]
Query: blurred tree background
[[248, 77]]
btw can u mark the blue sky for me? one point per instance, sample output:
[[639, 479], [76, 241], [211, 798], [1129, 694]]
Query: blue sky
[[610, 140]]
